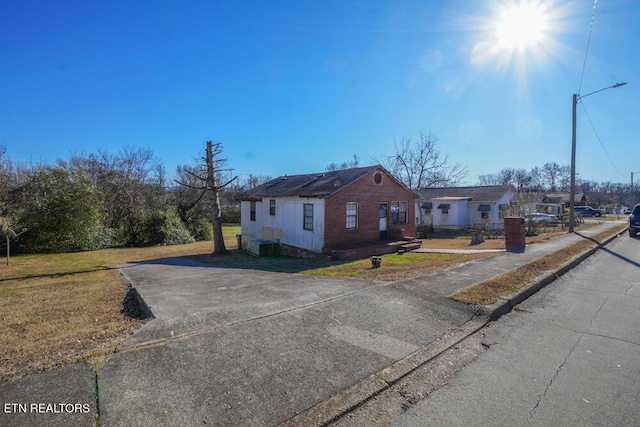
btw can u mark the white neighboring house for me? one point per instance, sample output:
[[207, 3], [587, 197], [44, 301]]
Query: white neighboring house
[[460, 207]]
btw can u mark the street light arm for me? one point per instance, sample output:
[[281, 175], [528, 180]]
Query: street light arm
[[572, 189], [600, 90]]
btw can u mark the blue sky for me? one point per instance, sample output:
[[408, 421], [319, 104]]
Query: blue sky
[[291, 86]]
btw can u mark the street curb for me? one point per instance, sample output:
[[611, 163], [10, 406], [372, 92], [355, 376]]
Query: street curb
[[366, 389], [358, 394], [506, 304]]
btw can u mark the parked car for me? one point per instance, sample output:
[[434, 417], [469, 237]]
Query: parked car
[[541, 217], [587, 211], [634, 221]]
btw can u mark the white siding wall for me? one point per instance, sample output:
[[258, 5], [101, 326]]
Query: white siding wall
[[463, 213], [286, 224], [450, 220]]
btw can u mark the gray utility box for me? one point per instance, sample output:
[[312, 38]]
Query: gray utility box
[[258, 247]]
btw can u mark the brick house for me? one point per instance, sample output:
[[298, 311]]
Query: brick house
[[335, 209]]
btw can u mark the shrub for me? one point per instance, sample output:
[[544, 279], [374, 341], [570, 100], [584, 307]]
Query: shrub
[[201, 230], [163, 227]]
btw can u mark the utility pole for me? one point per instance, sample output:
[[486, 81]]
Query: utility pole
[[572, 196]]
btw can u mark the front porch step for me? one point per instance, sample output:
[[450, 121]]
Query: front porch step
[[368, 250], [411, 246]]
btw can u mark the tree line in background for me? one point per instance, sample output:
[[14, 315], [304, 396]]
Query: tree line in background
[[554, 178], [99, 200]]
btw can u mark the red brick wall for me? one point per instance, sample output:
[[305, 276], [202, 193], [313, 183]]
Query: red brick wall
[[367, 194]]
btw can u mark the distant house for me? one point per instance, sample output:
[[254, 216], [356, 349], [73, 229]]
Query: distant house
[[556, 203], [333, 209], [615, 208], [580, 198], [461, 207]]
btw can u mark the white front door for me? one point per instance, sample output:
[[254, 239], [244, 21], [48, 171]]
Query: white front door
[[383, 208]]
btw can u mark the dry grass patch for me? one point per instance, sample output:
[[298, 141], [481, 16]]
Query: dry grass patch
[[394, 266], [62, 308], [464, 242], [489, 291]]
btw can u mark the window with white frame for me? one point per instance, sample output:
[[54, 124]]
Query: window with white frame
[[307, 223], [352, 215], [252, 210], [272, 207], [398, 212]]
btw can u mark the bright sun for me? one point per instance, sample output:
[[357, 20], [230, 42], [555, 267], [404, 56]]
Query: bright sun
[[520, 26]]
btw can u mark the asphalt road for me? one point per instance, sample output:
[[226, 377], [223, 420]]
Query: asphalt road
[[570, 355]]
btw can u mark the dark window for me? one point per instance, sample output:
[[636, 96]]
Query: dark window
[[272, 207], [445, 208], [484, 215], [308, 217], [252, 211], [398, 212], [352, 215], [377, 178]]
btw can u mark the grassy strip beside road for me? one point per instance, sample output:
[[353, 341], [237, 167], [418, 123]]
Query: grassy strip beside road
[[488, 292]]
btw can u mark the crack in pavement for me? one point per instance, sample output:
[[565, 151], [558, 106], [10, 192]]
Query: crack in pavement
[[566, 359], [626, 292], [555, 376], [611, 338], [163, 341], [598, 311]]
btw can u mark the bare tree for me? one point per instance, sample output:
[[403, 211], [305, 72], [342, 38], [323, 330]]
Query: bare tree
[[6, 175], [522, 179], [564, 180], [254, 180], [506, 176], [344, 165], [207, 176], [488, 179], [551, 175], [421, 164]]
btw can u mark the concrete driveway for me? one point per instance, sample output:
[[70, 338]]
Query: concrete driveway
[[245, 347]]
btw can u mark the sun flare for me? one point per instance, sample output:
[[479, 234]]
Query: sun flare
[[521, 26]]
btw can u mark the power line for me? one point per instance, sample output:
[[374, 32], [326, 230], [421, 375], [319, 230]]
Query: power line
[[599, 140], [586, 53]]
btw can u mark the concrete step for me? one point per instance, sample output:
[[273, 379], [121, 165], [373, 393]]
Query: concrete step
[[411, 246]]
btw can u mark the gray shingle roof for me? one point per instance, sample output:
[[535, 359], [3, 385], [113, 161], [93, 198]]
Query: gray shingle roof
[[309, 185], [488, 193]]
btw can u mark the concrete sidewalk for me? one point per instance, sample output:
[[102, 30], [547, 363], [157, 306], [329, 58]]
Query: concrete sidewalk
[[240, 347]]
